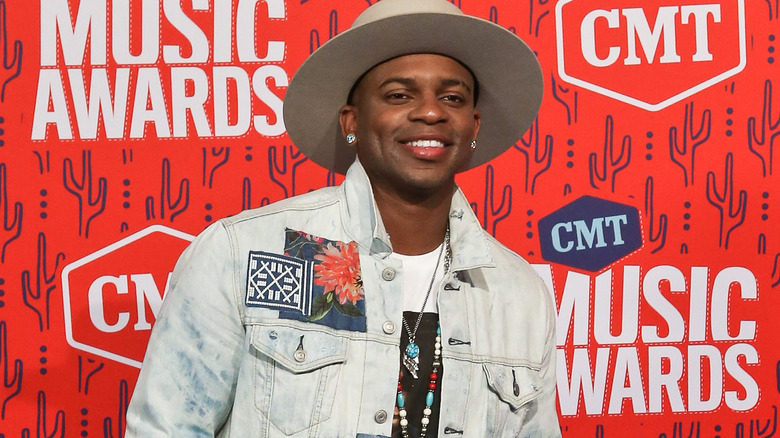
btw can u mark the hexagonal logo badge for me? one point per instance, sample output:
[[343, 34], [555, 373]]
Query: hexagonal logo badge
[[590, 233], [111, 297], [649, 53]]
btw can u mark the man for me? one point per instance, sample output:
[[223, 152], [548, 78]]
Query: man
[[379, 307]]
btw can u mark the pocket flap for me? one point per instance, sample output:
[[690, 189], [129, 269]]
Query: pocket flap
[[297, 350], [515, 386]]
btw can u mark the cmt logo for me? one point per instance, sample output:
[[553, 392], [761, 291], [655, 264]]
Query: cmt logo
[[146, 293], [111, 297], [590, 233], [649, 53]]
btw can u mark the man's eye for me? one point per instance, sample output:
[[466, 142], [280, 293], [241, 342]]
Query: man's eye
[[397, 96], [453, 98]]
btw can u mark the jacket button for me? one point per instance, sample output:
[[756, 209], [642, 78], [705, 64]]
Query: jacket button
[[299, 355], [388, 274], [380, 416], [388, 327]]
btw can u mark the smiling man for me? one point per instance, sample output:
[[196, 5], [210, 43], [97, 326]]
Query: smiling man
[[380, 307], [413, 120]]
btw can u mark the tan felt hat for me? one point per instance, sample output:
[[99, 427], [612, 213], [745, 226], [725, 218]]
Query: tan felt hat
[[509, 76]]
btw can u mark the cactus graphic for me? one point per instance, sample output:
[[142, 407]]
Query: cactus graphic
[[12, 382], [776, 14], [42, 429], [535, 23], [690, 140], [84, 380], [333, 30], [44, 283], [610, 164], [44, 164], [756, 430], [330, 180], [333, 24], [540, 158], [12, 66], [492, 215], [678, 429], [246, 195], [724, 202], [12, 225], [213, 168], [83, 188], [571, 107], [121, 415], [655, 235], [761, 243], [762, 135], [493, 17], [280, 173], [314, 40], [167, 203]]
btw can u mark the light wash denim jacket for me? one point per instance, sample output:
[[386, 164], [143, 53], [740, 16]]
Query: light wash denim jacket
[[218, 366]]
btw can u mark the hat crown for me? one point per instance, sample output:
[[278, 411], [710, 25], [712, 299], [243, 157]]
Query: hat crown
[[392, 8]]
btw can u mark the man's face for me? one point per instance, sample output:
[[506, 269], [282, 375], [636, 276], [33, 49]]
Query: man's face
[[414, 119]]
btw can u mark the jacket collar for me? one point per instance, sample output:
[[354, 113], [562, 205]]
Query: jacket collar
[[363, 223]]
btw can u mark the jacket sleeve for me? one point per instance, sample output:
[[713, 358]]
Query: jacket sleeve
[[544, 422], [187, 381]]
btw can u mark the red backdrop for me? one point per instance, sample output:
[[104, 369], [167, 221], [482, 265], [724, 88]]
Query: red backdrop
[[126, 127]]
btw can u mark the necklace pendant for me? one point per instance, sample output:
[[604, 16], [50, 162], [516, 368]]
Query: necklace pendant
[[412, 358], [412, 364], [412, 350]]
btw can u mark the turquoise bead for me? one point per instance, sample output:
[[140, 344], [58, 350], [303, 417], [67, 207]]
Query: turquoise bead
[[429, 399], [412, 350], [438, 331], [400, 400]]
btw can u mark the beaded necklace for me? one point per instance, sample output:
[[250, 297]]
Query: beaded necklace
[[401, 401]]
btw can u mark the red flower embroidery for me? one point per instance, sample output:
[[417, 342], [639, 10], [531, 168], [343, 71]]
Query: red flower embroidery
[[339, 271], [311, 237]]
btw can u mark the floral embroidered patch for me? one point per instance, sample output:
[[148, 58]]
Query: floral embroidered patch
[[337, 296]]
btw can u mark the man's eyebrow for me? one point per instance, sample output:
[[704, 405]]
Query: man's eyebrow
[[456, 82], [447, 82], [398, 79]]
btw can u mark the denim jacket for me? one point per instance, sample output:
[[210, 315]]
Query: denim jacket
[[220, 363]]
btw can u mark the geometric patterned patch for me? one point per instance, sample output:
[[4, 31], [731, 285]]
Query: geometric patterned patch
[[279, 282]]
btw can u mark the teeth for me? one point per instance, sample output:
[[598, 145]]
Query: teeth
[[426, 144]]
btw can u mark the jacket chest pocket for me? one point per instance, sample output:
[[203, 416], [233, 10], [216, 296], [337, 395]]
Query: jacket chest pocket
[[512, 394], [296, 375]]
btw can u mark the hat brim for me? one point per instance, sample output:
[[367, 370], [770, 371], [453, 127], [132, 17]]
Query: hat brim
[[509, 76]]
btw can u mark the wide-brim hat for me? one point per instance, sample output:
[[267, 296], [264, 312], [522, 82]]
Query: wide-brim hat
[[506, 69]]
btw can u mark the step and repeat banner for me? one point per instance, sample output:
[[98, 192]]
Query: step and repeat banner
[[646, 194]]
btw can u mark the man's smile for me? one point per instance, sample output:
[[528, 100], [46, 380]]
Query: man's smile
[[425, 143]]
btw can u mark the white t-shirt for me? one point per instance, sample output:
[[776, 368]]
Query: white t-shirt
[[417, 277]]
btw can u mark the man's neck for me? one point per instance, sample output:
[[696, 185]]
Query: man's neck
[[415, 225]]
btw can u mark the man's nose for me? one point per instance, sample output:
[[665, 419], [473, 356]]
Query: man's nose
[[428, 109]]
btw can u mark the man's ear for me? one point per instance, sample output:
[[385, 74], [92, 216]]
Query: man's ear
[[477, 122], [348, 120]]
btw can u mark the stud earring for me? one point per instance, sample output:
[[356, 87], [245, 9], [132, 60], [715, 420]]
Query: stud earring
[[473, 144], [351, 138]]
